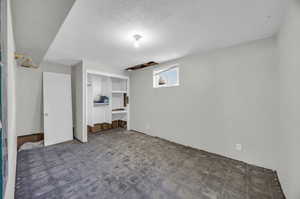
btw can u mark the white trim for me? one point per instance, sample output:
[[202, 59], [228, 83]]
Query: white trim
[[118, 92], [84, 109], [163, 69], [128, 105], [95, 72], [119, 112], [85, 84], [167, 86]]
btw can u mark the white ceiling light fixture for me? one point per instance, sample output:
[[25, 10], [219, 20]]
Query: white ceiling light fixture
[[137, 39]]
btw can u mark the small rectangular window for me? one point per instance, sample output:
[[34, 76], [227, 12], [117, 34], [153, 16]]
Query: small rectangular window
[[166, 77]]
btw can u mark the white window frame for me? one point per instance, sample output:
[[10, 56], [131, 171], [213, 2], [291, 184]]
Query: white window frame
[[163, 69]]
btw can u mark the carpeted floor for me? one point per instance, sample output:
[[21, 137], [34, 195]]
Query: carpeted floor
[[131, 165]]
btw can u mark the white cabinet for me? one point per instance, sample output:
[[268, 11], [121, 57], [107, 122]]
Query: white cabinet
[[107, 99]]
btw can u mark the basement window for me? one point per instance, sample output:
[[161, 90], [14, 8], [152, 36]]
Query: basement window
[[166, 76]]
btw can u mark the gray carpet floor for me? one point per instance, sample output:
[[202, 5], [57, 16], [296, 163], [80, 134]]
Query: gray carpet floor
[[131, 165]]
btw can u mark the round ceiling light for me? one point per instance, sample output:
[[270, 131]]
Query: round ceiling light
[[137, 39]]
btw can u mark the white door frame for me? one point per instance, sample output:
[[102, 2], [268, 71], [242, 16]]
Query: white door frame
[[96, 72], [80, 123]]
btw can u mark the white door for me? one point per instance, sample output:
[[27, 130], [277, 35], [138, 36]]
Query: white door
[[57, 108]]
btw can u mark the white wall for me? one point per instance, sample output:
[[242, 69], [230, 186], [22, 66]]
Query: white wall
[[225, 97], [289, 48], [79, 101], [89, 65], [29, 96], [11, 109], [36, 23]]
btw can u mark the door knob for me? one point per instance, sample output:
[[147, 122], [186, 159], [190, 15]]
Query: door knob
[[46, 114]]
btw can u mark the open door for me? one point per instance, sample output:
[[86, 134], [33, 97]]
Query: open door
[[57, 108], [79, 100]]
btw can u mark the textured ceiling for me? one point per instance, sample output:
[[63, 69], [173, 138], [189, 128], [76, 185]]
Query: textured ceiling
[[36, 23], [101, 30]]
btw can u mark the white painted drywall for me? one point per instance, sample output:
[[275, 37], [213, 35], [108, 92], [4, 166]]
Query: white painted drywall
[[29, 96], [225, 97], [289, 51], [98, 67], [103, 30], [36, 24], [78, 79], [11, 108]]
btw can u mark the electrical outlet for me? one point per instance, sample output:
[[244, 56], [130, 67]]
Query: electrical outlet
[[239, 147]]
